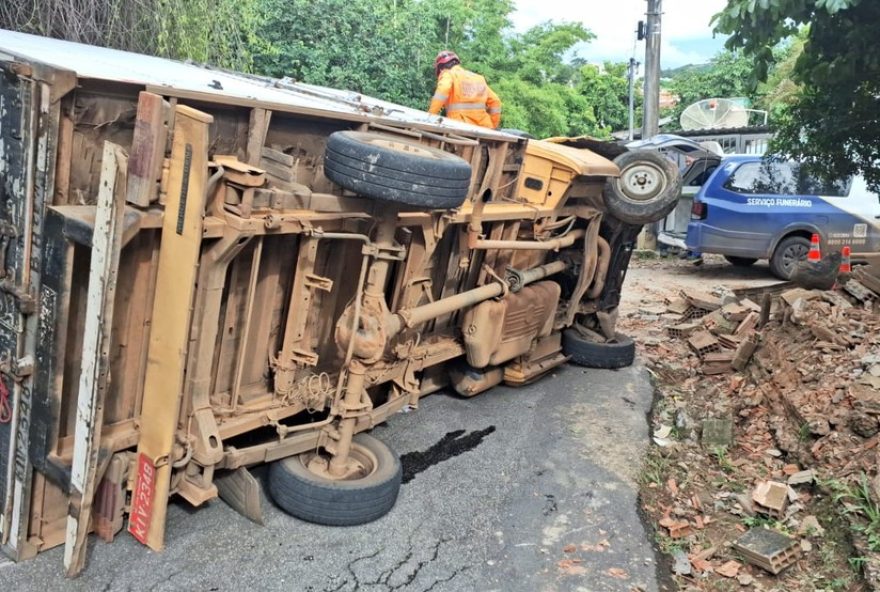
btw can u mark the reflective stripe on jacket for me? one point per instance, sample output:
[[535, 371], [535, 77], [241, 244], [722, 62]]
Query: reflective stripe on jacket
[[466, 97]]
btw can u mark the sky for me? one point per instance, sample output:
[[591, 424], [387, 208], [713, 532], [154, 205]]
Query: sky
[[686, 35]]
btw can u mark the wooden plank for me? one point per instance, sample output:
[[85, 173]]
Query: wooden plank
[[133, 306], [94, 378], [175, 287], [65, 152], [273, 285], [278, 156], [259, 126], [147, 150]]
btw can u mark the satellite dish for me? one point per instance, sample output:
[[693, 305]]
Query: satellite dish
[[714, 114]]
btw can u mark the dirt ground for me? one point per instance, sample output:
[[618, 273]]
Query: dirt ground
[[792, 422], [649, 281]]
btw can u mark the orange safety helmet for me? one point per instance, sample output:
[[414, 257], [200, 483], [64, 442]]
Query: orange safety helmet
[[444, 57]]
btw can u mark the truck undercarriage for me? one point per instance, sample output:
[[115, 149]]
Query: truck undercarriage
[[217, 271]]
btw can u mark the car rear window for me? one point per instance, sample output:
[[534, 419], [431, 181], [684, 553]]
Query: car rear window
[[815, 185], [774, 178], [784, 178]]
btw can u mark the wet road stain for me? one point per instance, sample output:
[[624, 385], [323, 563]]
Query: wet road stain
[[450, 446], [550, 505]]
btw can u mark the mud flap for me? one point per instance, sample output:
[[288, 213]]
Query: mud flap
[[241, 491], [172, 313]]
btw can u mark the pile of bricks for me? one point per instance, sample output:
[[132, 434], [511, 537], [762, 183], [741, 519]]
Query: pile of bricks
[[768, 396], [722, 334]]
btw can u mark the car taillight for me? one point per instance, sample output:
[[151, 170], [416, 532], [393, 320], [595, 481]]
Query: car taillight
[[699, 211]]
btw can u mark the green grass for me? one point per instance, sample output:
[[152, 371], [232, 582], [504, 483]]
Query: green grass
[[720, 454], [857, 499], [759, 521], [655, 470]]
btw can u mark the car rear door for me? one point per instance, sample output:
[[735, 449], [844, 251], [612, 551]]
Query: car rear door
[[855, 217], [747, 204]]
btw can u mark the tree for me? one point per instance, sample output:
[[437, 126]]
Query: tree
[[376, 48], [382, 48], [779, 91], [606, 90], [219, 32], [832, 122], [727, 75]]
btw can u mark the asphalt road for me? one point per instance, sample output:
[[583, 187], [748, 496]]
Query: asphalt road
[[502, 489]]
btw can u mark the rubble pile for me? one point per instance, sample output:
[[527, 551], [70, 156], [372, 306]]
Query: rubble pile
[[766, 426]]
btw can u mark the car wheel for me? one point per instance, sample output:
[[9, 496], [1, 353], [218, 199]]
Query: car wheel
[[647, 189], [397, 170], [362, 497], [788, 252], [590, 353], [740, 261]]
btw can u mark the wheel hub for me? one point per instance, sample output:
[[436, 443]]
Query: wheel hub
[[642, 182], [359, 464]]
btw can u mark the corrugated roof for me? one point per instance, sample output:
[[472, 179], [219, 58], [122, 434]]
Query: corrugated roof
[[179, 78]]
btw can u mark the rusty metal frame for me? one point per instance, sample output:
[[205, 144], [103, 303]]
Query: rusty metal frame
[[393, 328]]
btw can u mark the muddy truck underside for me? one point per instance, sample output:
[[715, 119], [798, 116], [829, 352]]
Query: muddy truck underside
[[204, 271]]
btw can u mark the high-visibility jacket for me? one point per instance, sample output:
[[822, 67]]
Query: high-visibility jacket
[[466, 97]]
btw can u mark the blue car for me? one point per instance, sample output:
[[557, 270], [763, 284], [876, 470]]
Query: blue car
[[752, 208]]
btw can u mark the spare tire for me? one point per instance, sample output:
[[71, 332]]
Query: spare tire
[[647, 189], [393, 169]]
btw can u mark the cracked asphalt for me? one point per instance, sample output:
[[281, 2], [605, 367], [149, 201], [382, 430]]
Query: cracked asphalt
[[529, 489]]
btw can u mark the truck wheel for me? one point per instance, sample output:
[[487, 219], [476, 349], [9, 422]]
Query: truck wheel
[[788, 252], [396, 170], [647, 189], [584, 352], [363, 497], [740, 261]]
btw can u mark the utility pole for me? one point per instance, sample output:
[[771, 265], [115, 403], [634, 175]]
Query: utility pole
[[651, 123], [633, 70]]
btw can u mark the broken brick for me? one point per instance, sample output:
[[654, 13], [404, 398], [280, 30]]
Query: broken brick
[[771, 498], [729, 569]]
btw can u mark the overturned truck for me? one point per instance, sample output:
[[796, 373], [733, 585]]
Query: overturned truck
[[203, 271]]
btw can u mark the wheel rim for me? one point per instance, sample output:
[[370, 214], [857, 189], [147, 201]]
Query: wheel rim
[[642, 182], [364, 461], [792, 254], [406, 147]]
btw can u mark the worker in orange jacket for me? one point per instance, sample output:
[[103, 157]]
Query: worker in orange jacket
[[464, 94]]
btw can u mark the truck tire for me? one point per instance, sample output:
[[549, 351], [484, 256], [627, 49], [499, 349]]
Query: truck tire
[[647, 189], [788, 252], [315, 498], [396, 170], [740, 261], [612, 354]]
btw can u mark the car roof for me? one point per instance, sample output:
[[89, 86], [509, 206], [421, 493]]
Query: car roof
[[742, 158], [671, 142]]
